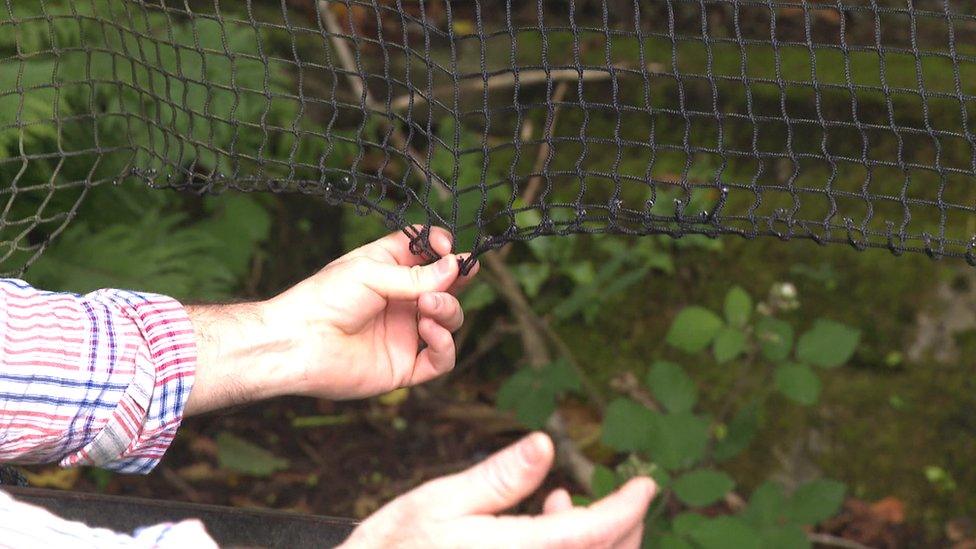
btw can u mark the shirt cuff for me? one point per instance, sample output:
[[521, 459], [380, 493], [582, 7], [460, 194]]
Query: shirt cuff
[[144, 422]]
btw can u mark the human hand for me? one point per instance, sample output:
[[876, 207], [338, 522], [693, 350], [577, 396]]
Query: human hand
[[460, 510], [352, 330]]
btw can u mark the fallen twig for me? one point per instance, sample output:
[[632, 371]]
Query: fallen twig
[[835, 541], [628, 384], [175, 480], [486, 342]]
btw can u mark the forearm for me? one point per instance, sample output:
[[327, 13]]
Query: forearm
[[242, 356]]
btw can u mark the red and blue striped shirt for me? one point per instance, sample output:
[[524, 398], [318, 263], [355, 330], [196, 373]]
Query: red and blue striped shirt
[[98, 379]]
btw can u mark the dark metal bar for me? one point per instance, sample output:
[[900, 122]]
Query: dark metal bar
[[229, 526]]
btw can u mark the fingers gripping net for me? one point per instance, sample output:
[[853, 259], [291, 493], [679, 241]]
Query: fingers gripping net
[[838, 120]]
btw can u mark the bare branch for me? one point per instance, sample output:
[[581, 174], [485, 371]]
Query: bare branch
[[348, 62], [532, 189], [533, 331], [530, 77]]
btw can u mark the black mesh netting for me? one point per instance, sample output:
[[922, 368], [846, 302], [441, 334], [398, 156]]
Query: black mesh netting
[[838, 121]]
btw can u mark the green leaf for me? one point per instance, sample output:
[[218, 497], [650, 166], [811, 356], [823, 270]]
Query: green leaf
[[673, 441], [767, 506], [816, 501], [661, 477], [239, 455], [729, 344], [739, 434], [518, 387], [560, 376], [828, 344], [531, 276], [241, 223], [725, 533], [702, 487], [522, 394], [478, 296], [587, 298], [672, 387], [604, 481], [738, 307], [534, 410], [798, 383], [581, 272], [580, 500], [155, 254], [775, 338], [670, 541], [532, 393], [627, 426], [686, 523], [787, 535], [693, 329], [677, 441]]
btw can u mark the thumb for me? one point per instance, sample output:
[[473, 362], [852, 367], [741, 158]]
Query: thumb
[[408, 283], [497, 483]]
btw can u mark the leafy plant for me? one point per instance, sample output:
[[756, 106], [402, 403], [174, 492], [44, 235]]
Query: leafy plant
[[208, 250], [669, 434], [128, 234]]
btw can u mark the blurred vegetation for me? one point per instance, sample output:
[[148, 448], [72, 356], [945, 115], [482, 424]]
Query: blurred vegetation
[[743, 375]]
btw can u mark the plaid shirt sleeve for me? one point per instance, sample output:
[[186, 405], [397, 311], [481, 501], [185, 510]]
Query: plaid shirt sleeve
[[98, 379]]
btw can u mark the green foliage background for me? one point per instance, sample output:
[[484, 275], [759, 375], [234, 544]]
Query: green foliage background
[[737, 369]]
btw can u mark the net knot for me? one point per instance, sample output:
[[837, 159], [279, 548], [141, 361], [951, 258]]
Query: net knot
[[420, 242], [851, 230], [898, 248], [712, 216], [929, 249], [466, 264], [971, 252], [679, 211], [780, 215]]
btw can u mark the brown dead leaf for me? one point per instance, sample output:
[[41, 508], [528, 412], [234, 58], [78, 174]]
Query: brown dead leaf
[[825, 15], [878, 524], [246, 502], [960, 530], [582, 422], [301, 506], [365, 505], [394, 397], [791, 13], [481, 417], [204, 446], [889, 509], [830, 16], [197, 472], [55, 477]]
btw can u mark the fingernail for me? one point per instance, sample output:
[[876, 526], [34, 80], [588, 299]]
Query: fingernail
[[532, 449], [444, 265], [438, 300]]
